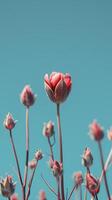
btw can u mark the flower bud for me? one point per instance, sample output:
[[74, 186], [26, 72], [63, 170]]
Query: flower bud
[[87, 158], [78, 178], [9, 122], [14, 197], [27, 97], [42, 195], [56, 167], [109, 134], [38, 155], [57, 86], [32, 164], [7, 186], [92, 184], [48, 129], [96, 131]]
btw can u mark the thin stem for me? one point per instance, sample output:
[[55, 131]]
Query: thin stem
[[16, 158], [58, 185], [80, 191], [49, 186], [102, 163], [17, 163], [75, 186], [96, 197], [51, 149], [9, 198], [27, 147], [60, 148], [85, 194], [30, 182]]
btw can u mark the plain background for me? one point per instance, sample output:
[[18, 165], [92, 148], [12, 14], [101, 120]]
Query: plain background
[[41, 36]]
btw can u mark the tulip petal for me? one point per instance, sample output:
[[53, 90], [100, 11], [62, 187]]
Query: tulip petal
[[54, 79], [46, 79], [61, 91], [68, 81], [49, 92]]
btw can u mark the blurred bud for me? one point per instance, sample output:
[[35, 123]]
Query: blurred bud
[[27, 97], [14, 197], [87, 158], [48, 129], [109, 134], [92, 184], [9, 122], [96, 131], [38, 155], [56, 167], [78, 178], [32, 164], [7, 186], [42, 195]]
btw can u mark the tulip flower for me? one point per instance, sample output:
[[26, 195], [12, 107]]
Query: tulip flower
[[58, 86], [27, 97]]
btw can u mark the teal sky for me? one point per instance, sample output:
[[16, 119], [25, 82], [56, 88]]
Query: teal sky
[[38, 37]]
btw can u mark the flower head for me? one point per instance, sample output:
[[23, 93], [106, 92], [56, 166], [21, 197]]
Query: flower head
[[27, 97], [38, 155], [87, 158], [96, 131], [56, 167], [42, 195], [78, 177], [48, 129], [58, 86], [9, 122], [32, 164], [7, 186], [92, 184]]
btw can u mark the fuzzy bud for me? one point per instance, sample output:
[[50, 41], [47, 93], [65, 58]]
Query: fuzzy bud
[[38, 155], [78, 178], [9, 122], [32, 164], [92, 184], [48, 129], [42, 195], [96, 131], [87, 158], [56, 167], [7, 186], [27, 97]]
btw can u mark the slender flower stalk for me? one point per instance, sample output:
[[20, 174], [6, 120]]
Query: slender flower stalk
[[49, 186], [51, 148], [60, 148], [75, 186], [17, 163], [58, 185], [105, 178], [27, 147], [30, 182], [80, 192], [85, 194]]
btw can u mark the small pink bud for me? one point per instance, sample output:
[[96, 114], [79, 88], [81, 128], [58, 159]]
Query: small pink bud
[[78, 178], [109, 134], [42, 195], [92, 184], [96, 131], [58, 86], [56, 167], [87, 158], [9, 122], [32, 164], [27, 97], [14, 197], [38, 155], [48, 129]]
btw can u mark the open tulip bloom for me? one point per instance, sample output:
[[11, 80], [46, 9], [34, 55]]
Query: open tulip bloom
[[57, 87]]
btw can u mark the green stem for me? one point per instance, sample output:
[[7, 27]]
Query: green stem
[[60, 148]]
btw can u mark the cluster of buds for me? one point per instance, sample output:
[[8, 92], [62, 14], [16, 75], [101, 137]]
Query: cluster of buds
[[87, 158], [56, 167], [38, 156], [7, 186]]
